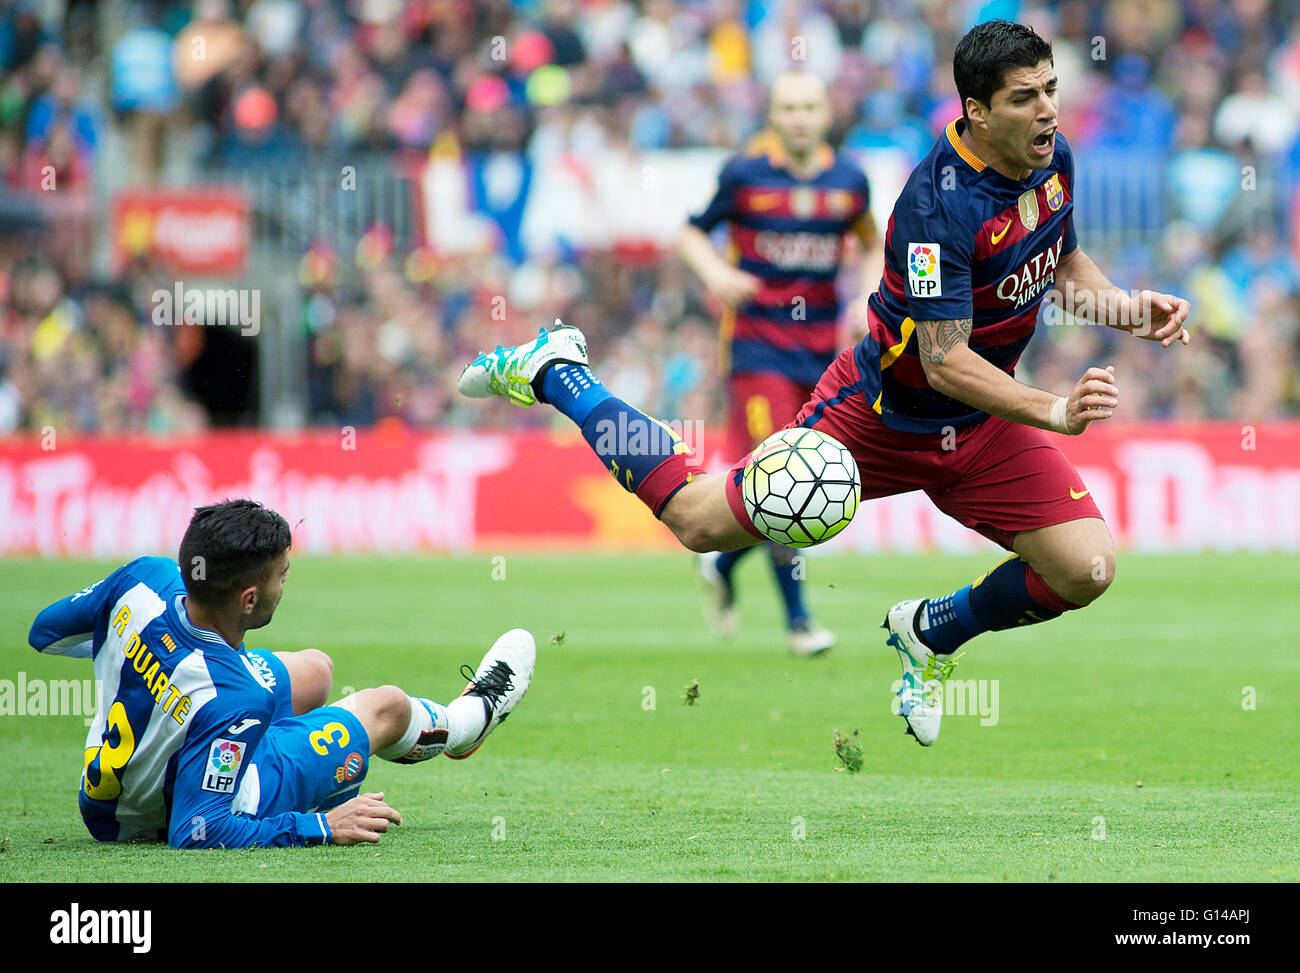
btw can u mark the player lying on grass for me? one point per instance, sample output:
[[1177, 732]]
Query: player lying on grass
[[981, 232], [789, 201], [204, 744]]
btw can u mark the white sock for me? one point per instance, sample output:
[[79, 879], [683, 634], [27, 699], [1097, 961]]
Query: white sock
[[425, 737], [467, 720]]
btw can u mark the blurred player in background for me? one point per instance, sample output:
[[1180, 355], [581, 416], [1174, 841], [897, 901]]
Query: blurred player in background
[[203, 744], [981, 234], [789, 200]]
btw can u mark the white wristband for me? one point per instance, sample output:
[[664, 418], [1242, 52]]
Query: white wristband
[[1058, 420]]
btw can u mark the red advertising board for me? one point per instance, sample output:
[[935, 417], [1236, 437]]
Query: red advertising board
[[197, 230], [1162, 488]]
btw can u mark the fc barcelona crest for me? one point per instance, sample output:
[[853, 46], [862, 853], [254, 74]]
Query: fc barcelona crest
[[803, 202], [839, 202], [1055, 194], [1028, 206]]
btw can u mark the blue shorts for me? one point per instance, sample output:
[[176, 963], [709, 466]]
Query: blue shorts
[[306, 763]]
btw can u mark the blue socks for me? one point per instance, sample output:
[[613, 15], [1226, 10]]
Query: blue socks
[[573, 389], [630, 444], [1010, 595], [945, 623], [785, 568], [728, 560]]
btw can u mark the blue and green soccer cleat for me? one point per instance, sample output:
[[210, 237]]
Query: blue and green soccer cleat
[[509, 372], [920, 696]]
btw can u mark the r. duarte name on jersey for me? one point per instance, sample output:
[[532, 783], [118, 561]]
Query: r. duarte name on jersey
[[76, 926], [1033, 278]]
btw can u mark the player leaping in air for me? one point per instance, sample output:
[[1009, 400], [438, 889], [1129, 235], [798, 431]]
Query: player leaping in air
[[790, 200], [981, 233], [203, 744]]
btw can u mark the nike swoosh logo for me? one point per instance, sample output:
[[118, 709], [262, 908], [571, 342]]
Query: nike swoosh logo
[[1078, 496], [997, 237], [765, 200]]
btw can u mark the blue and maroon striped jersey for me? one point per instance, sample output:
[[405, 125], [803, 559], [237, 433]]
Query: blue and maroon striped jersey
[[962, 242], [789, 233]]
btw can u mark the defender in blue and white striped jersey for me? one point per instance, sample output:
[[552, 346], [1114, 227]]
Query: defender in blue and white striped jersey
[[202, 743]]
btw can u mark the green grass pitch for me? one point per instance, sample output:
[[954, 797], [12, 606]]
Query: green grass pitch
[[1151, 737]]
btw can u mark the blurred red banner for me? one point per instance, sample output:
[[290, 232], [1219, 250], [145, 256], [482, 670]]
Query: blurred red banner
[[199, 230], [1161, 487]]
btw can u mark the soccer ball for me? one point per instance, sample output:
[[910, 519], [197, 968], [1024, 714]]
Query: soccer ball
[[800, 487]]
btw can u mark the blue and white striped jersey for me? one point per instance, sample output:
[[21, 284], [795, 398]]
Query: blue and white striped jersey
[[180, 716]]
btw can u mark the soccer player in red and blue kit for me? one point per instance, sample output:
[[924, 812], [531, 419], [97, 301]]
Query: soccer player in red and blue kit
[[982, 232], [789, 202]]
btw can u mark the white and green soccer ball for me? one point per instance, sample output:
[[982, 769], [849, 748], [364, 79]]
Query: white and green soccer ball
[[801, 487]]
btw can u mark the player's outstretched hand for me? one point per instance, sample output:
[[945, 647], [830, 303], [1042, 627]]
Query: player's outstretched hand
[[1094, 397], [364, 818], [732, 286], [1161, 317]]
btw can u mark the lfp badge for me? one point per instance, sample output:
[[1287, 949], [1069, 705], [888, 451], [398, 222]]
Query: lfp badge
[[224, 758], [923, 270]]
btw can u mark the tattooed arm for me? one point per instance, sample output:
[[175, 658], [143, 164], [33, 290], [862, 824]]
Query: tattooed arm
[[951, 368]]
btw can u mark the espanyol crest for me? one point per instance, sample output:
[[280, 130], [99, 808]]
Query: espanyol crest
[[1055, 194], [1028, 206], [803, 202]]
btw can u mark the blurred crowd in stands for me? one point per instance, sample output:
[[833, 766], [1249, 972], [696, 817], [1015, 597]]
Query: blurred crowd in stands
[[1209, 89]]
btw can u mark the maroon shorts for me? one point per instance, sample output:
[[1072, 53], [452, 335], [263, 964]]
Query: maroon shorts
[[758, 404], [1000, 479]]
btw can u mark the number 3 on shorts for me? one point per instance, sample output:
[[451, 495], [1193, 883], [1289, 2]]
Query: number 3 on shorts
[[322, 738]]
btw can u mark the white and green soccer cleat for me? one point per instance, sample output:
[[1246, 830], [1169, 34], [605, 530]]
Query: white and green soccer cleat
[[920, 699], [509, 372], [500, 681]]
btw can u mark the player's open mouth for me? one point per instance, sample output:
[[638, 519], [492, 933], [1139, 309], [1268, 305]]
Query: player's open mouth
[[1045, 144]]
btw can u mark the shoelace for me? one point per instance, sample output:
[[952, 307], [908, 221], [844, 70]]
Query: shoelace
[[934, 669], [504, 380], [495, 683]]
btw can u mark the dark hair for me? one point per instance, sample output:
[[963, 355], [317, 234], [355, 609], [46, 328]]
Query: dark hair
[[988, 51], [229, 546]]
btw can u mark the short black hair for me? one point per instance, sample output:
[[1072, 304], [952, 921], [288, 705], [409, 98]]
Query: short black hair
[[229, 546], [988, 51]]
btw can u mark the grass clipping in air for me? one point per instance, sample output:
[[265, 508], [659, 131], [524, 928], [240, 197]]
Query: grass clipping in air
[[849, 751]]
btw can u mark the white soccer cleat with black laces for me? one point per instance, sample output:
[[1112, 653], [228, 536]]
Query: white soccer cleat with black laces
[[510, 372], [500, 681], [920, 699]]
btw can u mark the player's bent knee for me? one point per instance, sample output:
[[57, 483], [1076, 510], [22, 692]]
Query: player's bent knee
[[321, 668], [384, 711], [311, 674], [392, 703], [696, 538], [1088, 580], [382, 704], [687, 515], [710, 535], [701, 519]]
